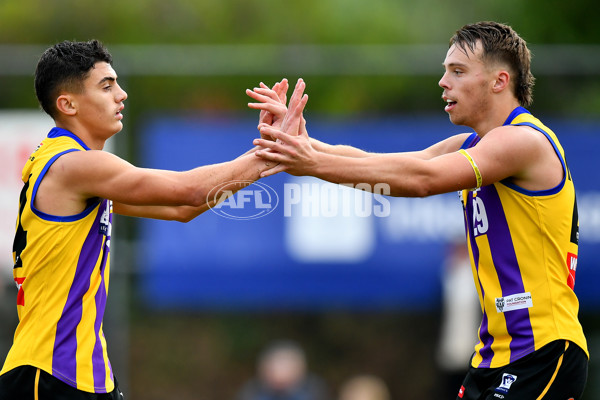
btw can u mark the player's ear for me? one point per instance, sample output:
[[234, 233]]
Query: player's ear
[[66, 104], [501, 82]]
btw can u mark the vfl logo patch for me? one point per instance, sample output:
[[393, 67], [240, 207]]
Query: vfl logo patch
[[514, 302], [104, 228], [505, 384]]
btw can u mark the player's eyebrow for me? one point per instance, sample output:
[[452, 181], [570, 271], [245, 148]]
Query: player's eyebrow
[[107, 79], [454, 65]]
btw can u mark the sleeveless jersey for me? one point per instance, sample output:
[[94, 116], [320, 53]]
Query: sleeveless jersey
[[523, 248], [61, 270]]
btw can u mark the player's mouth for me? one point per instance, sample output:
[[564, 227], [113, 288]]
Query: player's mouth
[[118, 113], [450, 104]]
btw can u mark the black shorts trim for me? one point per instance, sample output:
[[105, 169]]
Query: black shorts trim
[[558, 371], [31, 383]]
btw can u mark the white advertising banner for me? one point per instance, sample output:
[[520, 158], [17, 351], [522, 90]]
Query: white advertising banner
[[20, 133]]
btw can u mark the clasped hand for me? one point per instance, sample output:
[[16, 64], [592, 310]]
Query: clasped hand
[[284, 139]]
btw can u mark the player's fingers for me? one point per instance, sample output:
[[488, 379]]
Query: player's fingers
[[273, 171], [263, 125], [282, 90], [270, 107], [298, 92], [264, 118], [257, 96], [303, 131], [278, 134], [266, 144], [271, 93], [270, 155], [291, 122], [295, 99], [264, 95]]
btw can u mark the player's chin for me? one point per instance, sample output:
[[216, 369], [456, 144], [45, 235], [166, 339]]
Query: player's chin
[[118, 127], [456, 119]]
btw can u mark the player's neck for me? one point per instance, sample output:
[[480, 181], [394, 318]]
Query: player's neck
[[94, 142], [496, 117]]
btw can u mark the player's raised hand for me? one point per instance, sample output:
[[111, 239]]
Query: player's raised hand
[[292, 152], [271, 103], [292, 115]]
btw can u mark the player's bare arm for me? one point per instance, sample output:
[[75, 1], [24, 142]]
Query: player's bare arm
[[407, 175], [271, 102], [448, 145], [507, 152], [138, 192]]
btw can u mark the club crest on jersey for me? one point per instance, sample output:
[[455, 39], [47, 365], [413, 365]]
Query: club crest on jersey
[[506, 383], [500, 304]]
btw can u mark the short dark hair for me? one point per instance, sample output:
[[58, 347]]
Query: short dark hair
[[65, 66], [501, 44]]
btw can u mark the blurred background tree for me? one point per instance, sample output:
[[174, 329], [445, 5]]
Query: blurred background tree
[[309, 22]]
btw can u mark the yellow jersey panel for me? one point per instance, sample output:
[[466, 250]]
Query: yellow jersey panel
[[61, 270], [523, 249]]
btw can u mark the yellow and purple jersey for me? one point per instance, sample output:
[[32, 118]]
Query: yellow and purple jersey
[[523, 246], [61, 268]]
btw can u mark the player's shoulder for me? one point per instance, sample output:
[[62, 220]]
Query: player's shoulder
[[80, 164], [515, 135], [515, 145], [79, 158]]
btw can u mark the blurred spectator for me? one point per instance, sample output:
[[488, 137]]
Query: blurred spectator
[[282, 374], [364, 387], [461, 314]]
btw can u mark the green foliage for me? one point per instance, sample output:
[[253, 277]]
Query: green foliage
[[352, 22], [275, 21]]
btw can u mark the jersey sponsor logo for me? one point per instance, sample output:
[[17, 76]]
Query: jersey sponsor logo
[[514, 302], [506, 383], [572, 265], [461, 392]]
